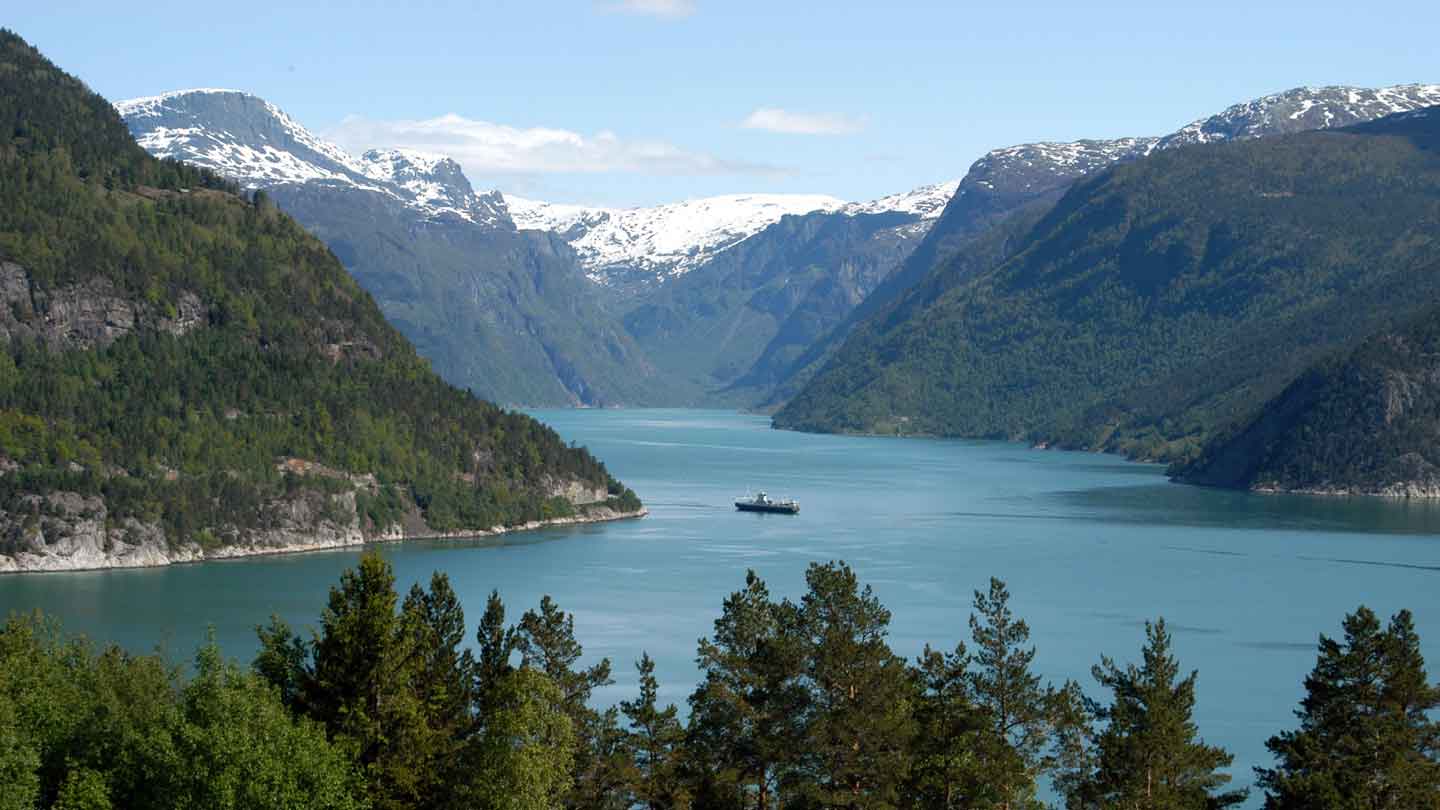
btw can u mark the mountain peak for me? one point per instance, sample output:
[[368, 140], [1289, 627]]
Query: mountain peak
[[239, 135], [254, 142], [433, 184], [1304, 108]]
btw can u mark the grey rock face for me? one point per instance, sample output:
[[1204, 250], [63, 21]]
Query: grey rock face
[[89, 315]]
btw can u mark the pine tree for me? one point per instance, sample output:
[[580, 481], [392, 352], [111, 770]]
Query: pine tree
[[283, 661], [497, 646], [654, 745], [357, 657], [945, 768], [546, 643], [1016, 706], [1148, 756], [441, 678], [1367, 738], [746, 716], [859, 726]]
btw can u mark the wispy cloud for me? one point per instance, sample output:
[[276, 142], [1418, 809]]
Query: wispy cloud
[[669, 9], [485, 148], [775, 119]]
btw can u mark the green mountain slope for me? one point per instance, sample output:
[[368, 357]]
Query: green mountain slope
[[726, 330], [1367, 423], [1159, 300], [187, 373], [502, 312]]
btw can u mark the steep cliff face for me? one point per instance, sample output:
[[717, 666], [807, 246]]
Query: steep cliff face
[[84, 315]]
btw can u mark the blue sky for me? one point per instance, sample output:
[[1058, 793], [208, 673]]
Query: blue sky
[[636, 102]]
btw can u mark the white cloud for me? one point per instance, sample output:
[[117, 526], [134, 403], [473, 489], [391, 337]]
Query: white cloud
[[484, 148], [670, 9], [774, 119]]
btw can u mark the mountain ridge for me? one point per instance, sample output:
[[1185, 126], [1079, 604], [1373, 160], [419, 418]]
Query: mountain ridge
[[1149, 307]]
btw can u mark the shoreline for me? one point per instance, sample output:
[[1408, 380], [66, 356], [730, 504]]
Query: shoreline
[[185, 556]]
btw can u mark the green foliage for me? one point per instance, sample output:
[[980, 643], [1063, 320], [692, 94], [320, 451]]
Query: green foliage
[[801, 706], [1016, 707], [44, 110], [746, 716], [500, 312], [1156, 302], [181, 420], [1366, 422], [859, 727], [546, 642], [1148, 755], [1367, 735], [654, 747], [85, 730], [524, 757], [949, 729]]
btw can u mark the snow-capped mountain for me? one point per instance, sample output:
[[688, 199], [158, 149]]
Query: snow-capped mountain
[[241, 136], [664, 240], [1033, 167], [434, 184], [618, 246], [1304, 108], [925, 202], [255, 143]]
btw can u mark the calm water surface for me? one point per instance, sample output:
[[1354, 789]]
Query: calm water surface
[[1091, 546]]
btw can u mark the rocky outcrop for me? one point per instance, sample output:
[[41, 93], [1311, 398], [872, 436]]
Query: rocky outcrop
[[87, 315], [67, 531]]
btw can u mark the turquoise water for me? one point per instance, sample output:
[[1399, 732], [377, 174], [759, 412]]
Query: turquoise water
[[1090, 545]]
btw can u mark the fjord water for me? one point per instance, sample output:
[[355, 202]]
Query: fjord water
[[1091, 546]]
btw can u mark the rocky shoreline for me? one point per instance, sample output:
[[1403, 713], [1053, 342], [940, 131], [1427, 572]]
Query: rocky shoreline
[[150, 550]]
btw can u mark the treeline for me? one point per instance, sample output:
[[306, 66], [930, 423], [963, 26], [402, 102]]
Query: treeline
[[801, 705]]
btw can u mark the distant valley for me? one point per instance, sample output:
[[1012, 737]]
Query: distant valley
[[848, 316], [523, 302]]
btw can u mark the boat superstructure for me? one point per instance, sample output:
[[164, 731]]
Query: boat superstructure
[[761, 502]]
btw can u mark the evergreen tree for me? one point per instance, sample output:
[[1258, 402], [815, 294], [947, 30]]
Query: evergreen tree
[[859, 726], [283, 661], [654, 745], [546, 643], [441, 677], [1148, 756], [1367, 737], [945, 766], [747, 715], [1016, 706], [356, 657], [497, 646]]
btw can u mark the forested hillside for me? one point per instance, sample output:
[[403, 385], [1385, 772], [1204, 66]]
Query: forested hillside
[[1158, 301], [1367, 423], [187, 371]]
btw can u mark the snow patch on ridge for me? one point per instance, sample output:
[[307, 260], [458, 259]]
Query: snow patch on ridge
[[665, 240]]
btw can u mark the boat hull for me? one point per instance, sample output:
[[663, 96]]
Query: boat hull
[[782, 509]]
